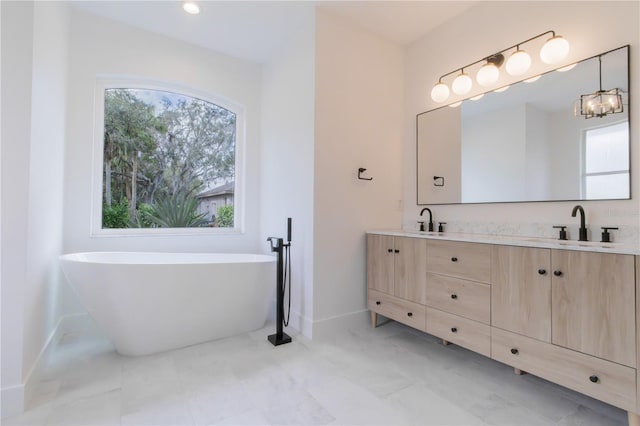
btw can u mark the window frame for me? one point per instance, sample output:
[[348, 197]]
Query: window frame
[[115, 82], [583, 165]]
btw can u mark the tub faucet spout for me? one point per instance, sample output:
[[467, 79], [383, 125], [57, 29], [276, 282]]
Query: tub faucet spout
[[430, 218], [583, 229], [276, 243]]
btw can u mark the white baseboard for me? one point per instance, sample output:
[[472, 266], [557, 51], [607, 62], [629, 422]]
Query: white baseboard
[[301, 324], [328, 327], [12, 401]]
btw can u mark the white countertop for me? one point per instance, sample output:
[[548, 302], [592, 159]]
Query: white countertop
[[516, 240]]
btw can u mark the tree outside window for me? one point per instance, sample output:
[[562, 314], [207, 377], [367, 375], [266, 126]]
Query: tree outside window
[[164, 156]]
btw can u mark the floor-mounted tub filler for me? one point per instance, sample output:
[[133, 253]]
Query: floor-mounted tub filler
[[153, 302]]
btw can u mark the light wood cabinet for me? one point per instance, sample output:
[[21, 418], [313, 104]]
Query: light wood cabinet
[[404, 311], [397, 266], [521, 290], [601, 379], [380, 263], [568, 316], [410, 269], [593, 304], [461, 331], [470, 261], [465, 298]]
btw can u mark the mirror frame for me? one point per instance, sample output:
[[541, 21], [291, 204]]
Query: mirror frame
[[467, 99]]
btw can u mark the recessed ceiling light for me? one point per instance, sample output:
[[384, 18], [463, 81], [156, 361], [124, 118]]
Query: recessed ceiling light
[[191, 7]]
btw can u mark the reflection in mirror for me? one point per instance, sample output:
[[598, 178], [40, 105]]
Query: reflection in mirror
[[529, 143]]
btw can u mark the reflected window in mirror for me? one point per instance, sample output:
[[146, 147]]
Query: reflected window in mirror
[[606, 162]]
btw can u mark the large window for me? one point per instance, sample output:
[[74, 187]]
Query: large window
[[606, 162], [168, 160]]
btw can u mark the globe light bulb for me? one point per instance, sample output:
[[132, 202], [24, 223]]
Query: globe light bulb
[[462, 84], [488, 74], [440, 92], [554, 50], [455, 105], [533, 79], [477, 97], [567, 68], [518, 63]]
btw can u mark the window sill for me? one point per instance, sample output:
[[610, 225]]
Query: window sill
[[164, 232]]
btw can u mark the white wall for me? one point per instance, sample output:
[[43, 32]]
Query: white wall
[[537, 161], [467, 38], [287, 169], [358, 123], [493, 155], [35, 37], [103, 47], [439, 151], [44, 286], [17, 48]]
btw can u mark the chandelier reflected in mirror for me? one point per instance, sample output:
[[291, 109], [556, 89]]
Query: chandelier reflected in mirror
[[600, 103]]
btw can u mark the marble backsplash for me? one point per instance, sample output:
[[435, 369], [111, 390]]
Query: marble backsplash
[[627, 234]]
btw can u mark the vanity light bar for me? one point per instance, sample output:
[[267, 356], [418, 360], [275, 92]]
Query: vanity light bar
[[553, 51]]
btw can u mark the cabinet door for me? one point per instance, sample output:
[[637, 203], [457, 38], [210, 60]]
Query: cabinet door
[[593, 307], [411, 269], [521, 291], [380, 258]]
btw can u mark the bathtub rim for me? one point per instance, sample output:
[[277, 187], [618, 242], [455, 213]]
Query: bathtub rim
[[163, 258]]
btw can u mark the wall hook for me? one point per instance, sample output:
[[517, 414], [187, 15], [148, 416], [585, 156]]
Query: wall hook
[[438, 181], [361, 170]]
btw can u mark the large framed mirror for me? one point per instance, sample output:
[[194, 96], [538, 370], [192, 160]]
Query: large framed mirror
[[531, 142]]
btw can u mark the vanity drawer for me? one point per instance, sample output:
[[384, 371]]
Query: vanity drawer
[[470, 261], [468, 299], [596, 377], [461, 331], [409, 313]]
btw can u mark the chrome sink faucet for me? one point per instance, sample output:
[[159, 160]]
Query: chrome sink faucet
[[583, 229], [430, 218]]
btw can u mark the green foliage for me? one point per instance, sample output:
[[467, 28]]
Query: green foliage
[[225, 216], [178, 211], [116, 215], [143, 216], [158, 150]]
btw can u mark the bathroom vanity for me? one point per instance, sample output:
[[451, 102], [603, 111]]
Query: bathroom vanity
[[564, 311]]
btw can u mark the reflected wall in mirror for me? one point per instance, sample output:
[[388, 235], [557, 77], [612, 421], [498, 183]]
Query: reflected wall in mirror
[[527, 143]]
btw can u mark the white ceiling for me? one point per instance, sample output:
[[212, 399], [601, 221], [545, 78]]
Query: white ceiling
[[252, 30]]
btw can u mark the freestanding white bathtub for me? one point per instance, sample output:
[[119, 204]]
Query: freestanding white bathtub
[[153, 302]]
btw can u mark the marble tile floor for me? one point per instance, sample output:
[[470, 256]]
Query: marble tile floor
[[391, 375]]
